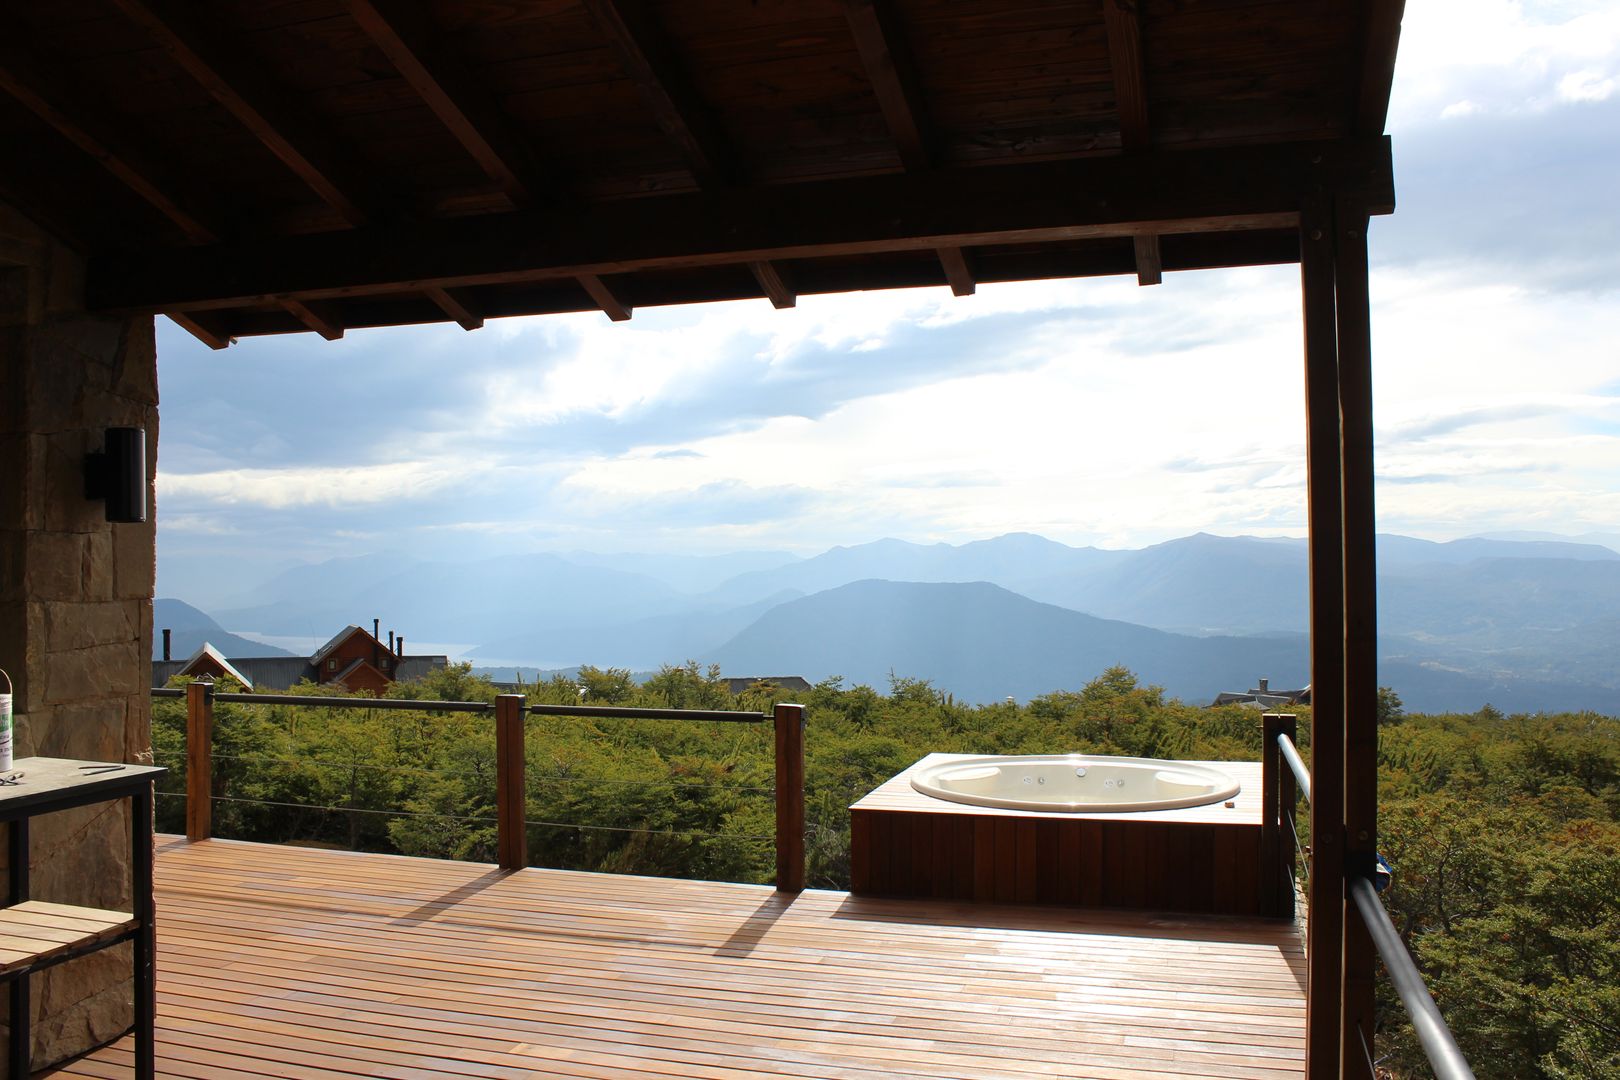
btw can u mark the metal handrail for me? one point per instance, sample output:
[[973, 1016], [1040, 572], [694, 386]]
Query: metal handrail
[[1445, 1056], [1439, 1045], [1290, 754], [628, 713], [606, 711]]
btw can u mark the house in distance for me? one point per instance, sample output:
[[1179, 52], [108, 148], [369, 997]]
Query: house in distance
[[354, 659]]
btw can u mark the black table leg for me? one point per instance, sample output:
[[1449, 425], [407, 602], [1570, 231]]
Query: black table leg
[[21, 1023], [140, 832]]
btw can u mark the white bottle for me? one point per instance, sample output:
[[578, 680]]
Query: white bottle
[[5, 724]]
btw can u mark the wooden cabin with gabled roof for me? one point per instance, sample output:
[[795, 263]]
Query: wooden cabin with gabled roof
[[251, 167]]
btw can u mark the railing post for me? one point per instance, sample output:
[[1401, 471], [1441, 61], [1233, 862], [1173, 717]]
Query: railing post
[[1277, 795], [511, 840], [789, 798], [199, 760]]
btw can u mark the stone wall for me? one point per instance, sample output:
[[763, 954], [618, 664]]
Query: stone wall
[[75, 597]]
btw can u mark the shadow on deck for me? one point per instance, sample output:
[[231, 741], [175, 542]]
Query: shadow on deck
[[295, 963]]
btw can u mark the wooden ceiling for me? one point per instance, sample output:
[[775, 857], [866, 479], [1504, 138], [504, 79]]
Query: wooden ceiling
[[273, 166]]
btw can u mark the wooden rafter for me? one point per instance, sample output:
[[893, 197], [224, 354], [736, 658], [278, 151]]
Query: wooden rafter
[[893, 76], [773, 285], [455, 305], [53, 100], [460, 102], [1233, 188], [230, 78], [603, 297], [647, 58], [1380, 37], [1123, 19], [315, 315], [200, 327]]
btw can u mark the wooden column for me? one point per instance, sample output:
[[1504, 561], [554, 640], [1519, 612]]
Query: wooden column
[[1277, 793], [1360, 618], [1324, 933], [511, 839], [199, 760], [789, 798]]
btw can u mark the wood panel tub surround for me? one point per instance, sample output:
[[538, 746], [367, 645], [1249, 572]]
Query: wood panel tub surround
[[1200, 859]]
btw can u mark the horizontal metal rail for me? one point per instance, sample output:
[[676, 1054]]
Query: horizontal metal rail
[[1296, 764], [1445, 1057], [627, 713]]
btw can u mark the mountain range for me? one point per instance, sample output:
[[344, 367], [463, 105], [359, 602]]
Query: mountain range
[[1522, 623]]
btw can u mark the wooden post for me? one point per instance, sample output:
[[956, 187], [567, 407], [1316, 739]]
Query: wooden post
[[199, 760], [789, 798], [511, 800], [1360, 618], [1277, 794], [1324, 936]]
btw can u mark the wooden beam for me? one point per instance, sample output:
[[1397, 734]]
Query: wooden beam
[[1360, 616], [603, 296], [1124, 22], [1325, 922], [317, 316], [889, 68], [772, 285], [1381, 36], [50, 97], [229, 76], [197, 325], [958, 274], [1235, 189], [454, 305], [1149, 263], [461, 103], [647, 58]]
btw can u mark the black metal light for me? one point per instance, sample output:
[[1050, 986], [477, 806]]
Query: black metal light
[[117, 474]]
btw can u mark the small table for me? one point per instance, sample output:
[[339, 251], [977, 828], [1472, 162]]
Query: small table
[[34, 934]]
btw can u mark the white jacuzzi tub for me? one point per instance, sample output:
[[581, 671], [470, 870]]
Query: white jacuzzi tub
[[1075, 783]]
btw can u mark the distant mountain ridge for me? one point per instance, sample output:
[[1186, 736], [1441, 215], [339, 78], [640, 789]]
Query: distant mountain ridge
[[1484, 615], [189, 628]]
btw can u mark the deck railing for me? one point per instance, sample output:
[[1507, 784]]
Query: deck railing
[[1283, 768], [511, 825]]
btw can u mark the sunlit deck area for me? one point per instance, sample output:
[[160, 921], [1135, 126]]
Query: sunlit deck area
[[295, 963]]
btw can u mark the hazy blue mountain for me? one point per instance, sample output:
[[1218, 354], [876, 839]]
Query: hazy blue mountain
[[1402, 551], [1198, 584], [1013, 557], [1608, 540], [984, 643], [638, 644], [687, 573], [191, 627], [437, 601]]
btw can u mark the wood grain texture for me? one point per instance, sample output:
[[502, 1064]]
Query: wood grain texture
[[300, 964]]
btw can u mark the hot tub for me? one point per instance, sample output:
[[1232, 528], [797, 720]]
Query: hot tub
[[1075, 783], [1175, 836]]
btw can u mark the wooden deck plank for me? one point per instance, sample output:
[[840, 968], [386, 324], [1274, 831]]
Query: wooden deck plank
[[292, 963]]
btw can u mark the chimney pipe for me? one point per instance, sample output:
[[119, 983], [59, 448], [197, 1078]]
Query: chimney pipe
[[1264, 683], [390, 641], [401, 640], [166, 633], [376, 646]]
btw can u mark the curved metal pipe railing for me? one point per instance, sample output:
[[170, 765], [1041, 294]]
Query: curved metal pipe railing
[[1439, 1045]]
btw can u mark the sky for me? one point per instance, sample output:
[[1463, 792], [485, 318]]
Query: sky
[[1090, 411]]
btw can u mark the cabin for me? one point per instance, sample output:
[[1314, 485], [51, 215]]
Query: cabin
[[318, 167], [354, 659]]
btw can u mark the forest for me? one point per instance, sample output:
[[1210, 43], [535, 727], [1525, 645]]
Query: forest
[[1503, 830]]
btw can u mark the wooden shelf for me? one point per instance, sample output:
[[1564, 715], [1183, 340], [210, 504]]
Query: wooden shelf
[[35, 932]]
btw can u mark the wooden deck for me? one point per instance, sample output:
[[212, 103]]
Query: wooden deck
[[293, 963]]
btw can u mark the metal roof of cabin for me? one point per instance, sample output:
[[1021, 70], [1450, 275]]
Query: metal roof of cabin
[[272, 166]]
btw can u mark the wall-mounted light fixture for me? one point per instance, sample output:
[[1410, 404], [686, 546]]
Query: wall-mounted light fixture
[[118, 474]]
